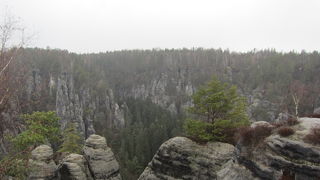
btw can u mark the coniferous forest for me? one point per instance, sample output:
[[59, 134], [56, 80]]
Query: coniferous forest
[[154, 113]]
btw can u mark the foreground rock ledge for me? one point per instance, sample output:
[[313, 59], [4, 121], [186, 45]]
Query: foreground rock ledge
[[284, 157], [182, 158]]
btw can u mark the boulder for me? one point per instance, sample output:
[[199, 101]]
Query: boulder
[[42, 167], [75, 167], [102, 162], [182, 158]]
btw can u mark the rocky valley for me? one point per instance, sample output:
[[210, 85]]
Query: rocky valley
[[138, 100]]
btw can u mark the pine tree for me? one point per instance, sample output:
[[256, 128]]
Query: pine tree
[[218, 109], [71, 140], [41, 127]]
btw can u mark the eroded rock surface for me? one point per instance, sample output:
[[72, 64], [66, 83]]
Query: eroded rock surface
[[97, 163], [42, 167], [283, 157], [182, 158], [102, 162], [273, 158], [75, 167]]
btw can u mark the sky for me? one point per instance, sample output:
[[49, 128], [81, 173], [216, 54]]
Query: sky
[[85, 26]]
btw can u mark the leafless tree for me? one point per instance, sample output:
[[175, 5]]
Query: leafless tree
[[11, 71], [297, 91]]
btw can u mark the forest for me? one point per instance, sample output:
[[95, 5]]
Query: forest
[[156, 86]]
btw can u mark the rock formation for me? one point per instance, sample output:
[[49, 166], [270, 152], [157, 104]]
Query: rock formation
[[273, 158], [102, 162], [75, 167], [42, 165], [97, 163], [181, 158], [283, 157], [81, 108]]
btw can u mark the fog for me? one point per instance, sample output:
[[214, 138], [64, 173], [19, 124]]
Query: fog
[[105, 25]]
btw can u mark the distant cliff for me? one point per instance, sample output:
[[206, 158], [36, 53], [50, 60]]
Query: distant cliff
[[58, 93]]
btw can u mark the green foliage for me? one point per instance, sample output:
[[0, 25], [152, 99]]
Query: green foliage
[[41, 127], [71, 140], [15, 165], [219, 109], [198, 129]]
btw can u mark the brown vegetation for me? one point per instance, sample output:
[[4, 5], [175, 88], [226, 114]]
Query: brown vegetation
[[289, 122], [292, 121], [285, 131], [253, 136], [313, 137]]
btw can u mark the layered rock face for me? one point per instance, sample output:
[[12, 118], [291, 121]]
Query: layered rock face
[[102, 161], [181, 158], [42, 165], [278, 157], [97, 163], [75, 167], [273, 158]]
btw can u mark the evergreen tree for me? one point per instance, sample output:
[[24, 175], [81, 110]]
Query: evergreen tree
[[219, 110], [71, 140], [41, 127]]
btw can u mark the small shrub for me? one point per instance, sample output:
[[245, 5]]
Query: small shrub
[[285, 131], [245, 135], [292, 121], [313, 137], [262, 132], [253, 136]]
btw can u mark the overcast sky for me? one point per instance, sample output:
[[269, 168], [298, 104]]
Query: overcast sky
[[105, 25]]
